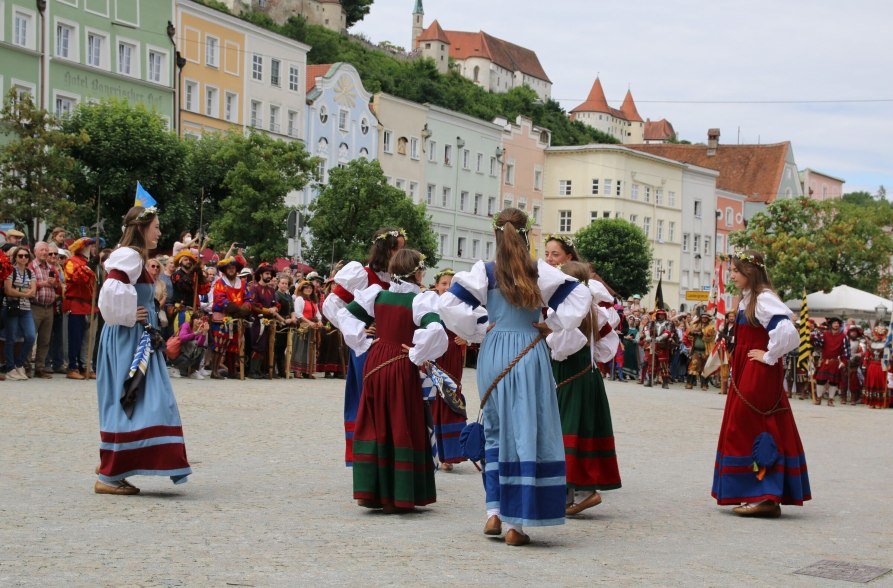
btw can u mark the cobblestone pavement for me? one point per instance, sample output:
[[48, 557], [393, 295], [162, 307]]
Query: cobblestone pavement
[[270, 500]]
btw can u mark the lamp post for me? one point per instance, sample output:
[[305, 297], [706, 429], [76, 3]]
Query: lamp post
[[179, 64]]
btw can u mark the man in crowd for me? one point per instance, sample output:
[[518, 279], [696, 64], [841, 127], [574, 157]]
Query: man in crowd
[[14, 237], [230, 304], [43, 305], [830, 371], [699, 338], [79, 284], [189, 284], [262, 294]]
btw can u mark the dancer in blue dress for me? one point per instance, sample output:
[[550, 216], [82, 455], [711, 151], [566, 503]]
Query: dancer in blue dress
[[524, 475], [150, 441]]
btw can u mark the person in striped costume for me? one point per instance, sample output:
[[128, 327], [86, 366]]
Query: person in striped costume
[[352, 278], [393, 469]]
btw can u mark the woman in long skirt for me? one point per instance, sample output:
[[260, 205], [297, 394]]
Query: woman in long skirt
[[332, 359], [149, 441], [393, 468], [303, 359], [760, 463], [524, 475]]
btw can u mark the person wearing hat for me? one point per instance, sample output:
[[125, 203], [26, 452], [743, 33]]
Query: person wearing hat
[[658, 340], [14, 237], [262, 294], [856, 344], [699, 338], [230, 304], [189, 284], [80, 282], [830, 372]]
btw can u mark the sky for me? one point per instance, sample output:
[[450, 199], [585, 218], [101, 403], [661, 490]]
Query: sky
[[689, 51]]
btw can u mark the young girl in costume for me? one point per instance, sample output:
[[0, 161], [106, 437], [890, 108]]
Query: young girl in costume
[[392, 466], [448, 425], [352, 278], [524, 475], [150, 440], [582, 403], [760, 462]]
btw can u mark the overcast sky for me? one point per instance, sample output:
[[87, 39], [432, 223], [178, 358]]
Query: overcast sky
[[700, 50]]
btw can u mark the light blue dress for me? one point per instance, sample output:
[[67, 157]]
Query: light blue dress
[[150, 443]]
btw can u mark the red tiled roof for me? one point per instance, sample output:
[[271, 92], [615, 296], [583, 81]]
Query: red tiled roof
[[628, 108], [596, 102], [316, 71], [752, 170], [504, 54], [434, 32], [659, 130]]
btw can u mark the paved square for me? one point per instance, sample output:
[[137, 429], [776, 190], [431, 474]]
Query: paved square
[[842, 570], [270, 500]]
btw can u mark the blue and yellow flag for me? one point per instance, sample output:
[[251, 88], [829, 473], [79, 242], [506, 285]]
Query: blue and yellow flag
[[143, 198]]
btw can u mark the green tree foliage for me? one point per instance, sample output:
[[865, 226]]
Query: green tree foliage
[[818, 245], [355, 203], [128, 143], [260, 172], [620, 253], [356, 10], [35, 166]]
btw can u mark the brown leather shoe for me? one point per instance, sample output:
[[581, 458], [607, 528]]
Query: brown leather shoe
[[91, 375], [75, 375], [516, 538], [43, 375], [493, 526], [126, 490], [766, 510], [593, 499]]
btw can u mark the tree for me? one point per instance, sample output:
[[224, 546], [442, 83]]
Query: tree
[[128, 144], [861, 198], [619, 252], [356, 10], [261, 171], [881, 192], [818, 245], [355, 203], [34, 166]]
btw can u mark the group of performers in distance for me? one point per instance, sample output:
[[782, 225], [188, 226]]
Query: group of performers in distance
[[548, 445]]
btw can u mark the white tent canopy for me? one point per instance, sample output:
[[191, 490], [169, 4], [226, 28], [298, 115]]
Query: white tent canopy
[[844, 302]]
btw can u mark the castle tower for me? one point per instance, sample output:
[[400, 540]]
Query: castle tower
[[418, 16]]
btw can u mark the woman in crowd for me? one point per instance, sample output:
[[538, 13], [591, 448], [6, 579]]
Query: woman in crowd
[[193, 336], [147, 437], [332, 359], [303, 361], [286, 330], [522, 425], [760, 463], [18, 287], [875, 392], [393, 468]]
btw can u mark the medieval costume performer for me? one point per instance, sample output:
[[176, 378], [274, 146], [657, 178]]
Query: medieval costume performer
[[856, 348], [582, 403], [524, 472], [699, 337], [139, 423], [831, 369], [392, 466], [78, 303], [262, 294], [230, 304], [303, 360], [332, 357], [285, 334], [350, 279], [725, 341], [658, 340], [631, 350], [189, 285], [759, 458], [875, 393]]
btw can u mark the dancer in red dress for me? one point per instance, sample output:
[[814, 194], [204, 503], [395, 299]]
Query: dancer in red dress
[[760, 462], [831, 368]]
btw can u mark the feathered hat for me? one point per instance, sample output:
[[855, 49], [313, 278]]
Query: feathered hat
[[183, 254], [80, 244]]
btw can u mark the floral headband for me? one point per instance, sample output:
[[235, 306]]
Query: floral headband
[[743, 257], [561, 238], [146, 213], [396, 233], [419, 267], [444, 272], [523, 230]]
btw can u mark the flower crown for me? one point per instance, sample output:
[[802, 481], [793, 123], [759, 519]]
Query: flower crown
[[562, 238], [444, 272], [749, 259], [526, 229], [419, 267], [396, 233], [146, 213]]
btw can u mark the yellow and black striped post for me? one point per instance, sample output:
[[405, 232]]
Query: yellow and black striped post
[[804, 352]]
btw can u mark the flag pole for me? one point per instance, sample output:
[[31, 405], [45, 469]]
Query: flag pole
[[92, 332]]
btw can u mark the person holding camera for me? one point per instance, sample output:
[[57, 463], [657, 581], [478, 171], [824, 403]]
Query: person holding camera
[[43, 304], [19, 287]]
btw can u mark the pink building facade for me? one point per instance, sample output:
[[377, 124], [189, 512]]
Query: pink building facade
[[729, 218], [523, 166], [820, 186]]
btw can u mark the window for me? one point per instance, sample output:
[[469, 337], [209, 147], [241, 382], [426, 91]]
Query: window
[[491, 206], [564, 221], [669, 269], [64, 106], [212, 51], [510, 174], [606, 214], [522, 204], [257, 67], [658, 268], [446, 196], [478, 202], [414, 148], [595, 187], [156, 66], [564, 187], [536, 215], [730, 214], [475, 248], [364, 126], [671, 198], [593, 216], [429, 195], [707, 250], [323, 114], [608, 187], [697, 209], [647, 194], [432, 151], [507, 203], [125, 58], [343, 120], [672, 234], [230, 106], [685, 239], [386, 144], [292, 123], [697, 244], [190, 98], [619, 192], [321, 170], [94, 50], [660, 231], [646, 226], [480, 163], [538, 180], [659, 196], [413, 190], [254, 119], [489, 250], [463, 200], [493, 166], [64, 36], [634, 192], [293, 78], [21, 28], [460, 246], [448, 155], [444, 239], [212, 102], [720, 244], [634, 218], [275, 67], [466, 159], [684, 282], [274, 118], [400, 183]]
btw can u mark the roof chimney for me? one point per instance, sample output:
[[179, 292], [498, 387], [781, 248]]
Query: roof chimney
[[712, 141]]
